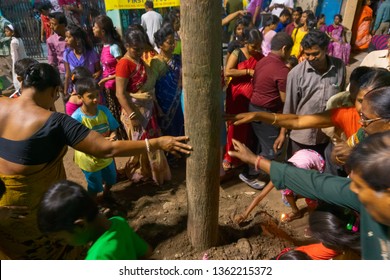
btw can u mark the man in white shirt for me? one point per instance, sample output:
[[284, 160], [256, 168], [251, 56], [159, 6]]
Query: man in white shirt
[[277, 6], [151, 21]]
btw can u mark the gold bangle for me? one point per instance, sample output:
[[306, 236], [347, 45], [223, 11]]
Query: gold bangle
[[275, 118], [246, 71], [339, 161]]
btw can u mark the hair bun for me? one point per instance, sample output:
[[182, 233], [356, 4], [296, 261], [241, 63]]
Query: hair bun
[[33, 74]]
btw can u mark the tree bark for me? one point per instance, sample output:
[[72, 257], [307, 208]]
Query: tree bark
[[202, 58]]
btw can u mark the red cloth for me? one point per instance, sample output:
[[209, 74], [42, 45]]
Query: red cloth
[[318, 251], [270, 78], [136, 74], [46, 25], [346, 118], [238, 95]]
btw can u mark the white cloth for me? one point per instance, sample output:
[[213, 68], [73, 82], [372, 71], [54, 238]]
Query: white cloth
[[151, 21], [277, 11], [376, 59], [17, 52]]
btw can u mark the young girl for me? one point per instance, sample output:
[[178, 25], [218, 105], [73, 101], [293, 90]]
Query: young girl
[[74, 101], [79, 52], [112, 51], [269, 32], [17, 50], [306, 159], [44, 11]]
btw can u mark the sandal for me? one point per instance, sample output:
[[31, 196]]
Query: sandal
[[292, 216]]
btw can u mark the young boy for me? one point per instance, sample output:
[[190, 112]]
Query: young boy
[[100, 119], [69, 213]]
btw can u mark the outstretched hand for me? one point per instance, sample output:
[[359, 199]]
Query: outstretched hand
[[242, 152], [241, 118], [174, 145]]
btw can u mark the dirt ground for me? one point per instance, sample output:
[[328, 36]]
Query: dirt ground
[[159, 215]]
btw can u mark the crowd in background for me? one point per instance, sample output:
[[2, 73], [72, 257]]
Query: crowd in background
[[287, 100]]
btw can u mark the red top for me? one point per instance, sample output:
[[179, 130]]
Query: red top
[[318, 251], [46, 25], [135, 73], [270, 77], [346, 118]]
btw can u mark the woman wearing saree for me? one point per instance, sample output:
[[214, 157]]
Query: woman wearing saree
[[168, 87], [33, 142], [240, 67], [136, 76], [338, 46], [363, 34]]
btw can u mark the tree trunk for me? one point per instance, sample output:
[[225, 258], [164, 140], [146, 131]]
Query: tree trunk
[[202, 58]]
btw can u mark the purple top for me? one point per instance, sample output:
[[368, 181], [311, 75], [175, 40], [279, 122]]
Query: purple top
[[55, 51], [253, 5], [88, 60]]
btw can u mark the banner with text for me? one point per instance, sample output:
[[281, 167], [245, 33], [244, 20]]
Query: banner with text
[[138, 4]]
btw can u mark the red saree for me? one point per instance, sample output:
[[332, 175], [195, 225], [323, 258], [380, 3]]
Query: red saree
[[238, 95]]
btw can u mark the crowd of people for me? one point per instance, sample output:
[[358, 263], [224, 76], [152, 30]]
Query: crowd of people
[[286, 86]]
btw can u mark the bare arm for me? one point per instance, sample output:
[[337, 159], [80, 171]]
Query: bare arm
[[232, 16], [256, 14], [96, 145], [67, 77], [289, 121], [243, 216], [231, 68], [98, 70], [123, 98]]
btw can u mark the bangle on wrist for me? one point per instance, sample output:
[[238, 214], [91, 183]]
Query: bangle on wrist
[[132, 116], [257, 162], [147, 145], [275, 118], [339, 161]]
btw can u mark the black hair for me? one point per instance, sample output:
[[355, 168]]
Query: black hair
[[45, 6], [321, 16], [252, 35], [293, 61], [23, 64], [60, 17], [86, 84], [2, 188], [41, 76], [14, 30], [246, 19], [293, 255], [339, 16], [62, 205], [272, 20], [161, 35], [315, 38], [280, 40], [111, 34], [358, 72], [374, 78], [136, 35], [311, 21], [171, 17], [298, 9], [80, 72], [379, 100], [285, 12], [332, 225], [149, 4], [370, 159], [80, 36]]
